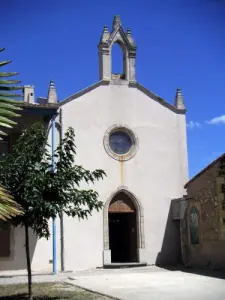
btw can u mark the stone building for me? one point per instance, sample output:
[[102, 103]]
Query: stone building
[[138, 139], [203, 220]]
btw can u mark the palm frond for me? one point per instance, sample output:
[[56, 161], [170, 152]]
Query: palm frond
[[8, 74], [6, 81], [5, 62], [10, 88], [10, 95], [8, 105], [2, 133], [10, 101], [8, 207], [7, 112], [6, 121]]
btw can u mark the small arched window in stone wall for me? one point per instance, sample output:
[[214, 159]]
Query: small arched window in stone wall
[[194, 226]]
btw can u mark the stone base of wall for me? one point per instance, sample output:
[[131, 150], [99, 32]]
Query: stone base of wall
[[106, 257], [210, 255]]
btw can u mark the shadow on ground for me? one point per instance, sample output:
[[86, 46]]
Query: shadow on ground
[[25, 297], [202, 272], [41, 291]]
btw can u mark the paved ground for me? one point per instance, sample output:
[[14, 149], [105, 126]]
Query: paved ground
[[150, 283], [147, 283]]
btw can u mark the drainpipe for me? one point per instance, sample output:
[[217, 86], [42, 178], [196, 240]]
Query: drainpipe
[[61, 214], [53, 221]]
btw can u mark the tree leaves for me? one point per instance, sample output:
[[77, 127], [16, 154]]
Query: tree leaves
[[27, 172]]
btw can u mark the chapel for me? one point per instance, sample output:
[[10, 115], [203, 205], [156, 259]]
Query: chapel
[[139, 139]]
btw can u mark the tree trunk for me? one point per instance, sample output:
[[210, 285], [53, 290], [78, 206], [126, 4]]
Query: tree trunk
[[27, 245], [62, 241]]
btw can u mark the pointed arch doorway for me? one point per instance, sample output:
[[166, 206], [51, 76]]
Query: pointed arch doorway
[[123, 202], [122, 222]]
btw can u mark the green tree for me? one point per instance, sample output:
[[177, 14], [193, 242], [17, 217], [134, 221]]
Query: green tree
[[27, 173], [8, 207]]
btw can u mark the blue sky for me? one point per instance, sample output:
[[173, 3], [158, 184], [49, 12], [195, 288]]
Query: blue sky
[[180, 44]]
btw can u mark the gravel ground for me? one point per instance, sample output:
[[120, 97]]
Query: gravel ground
[[48, 291], [5, 280]]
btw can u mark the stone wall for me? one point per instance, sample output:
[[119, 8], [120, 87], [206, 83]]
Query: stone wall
[[205, 193]]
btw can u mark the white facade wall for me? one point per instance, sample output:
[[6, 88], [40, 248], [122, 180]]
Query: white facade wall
[[40, 252], [155, 175]]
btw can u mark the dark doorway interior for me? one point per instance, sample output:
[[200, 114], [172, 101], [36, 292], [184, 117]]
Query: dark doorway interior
[[123, 237]]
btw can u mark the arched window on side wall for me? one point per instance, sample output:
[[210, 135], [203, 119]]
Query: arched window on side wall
[[194, 226]]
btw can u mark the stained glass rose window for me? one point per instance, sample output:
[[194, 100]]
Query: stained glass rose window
[[120, 142]]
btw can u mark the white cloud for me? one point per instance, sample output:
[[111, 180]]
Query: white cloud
[[193, 124], [217, 120]]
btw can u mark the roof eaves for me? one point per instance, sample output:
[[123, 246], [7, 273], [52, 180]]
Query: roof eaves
[[158, 99], [84, 91], [133, 85], [204, 170], [34, 105]]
